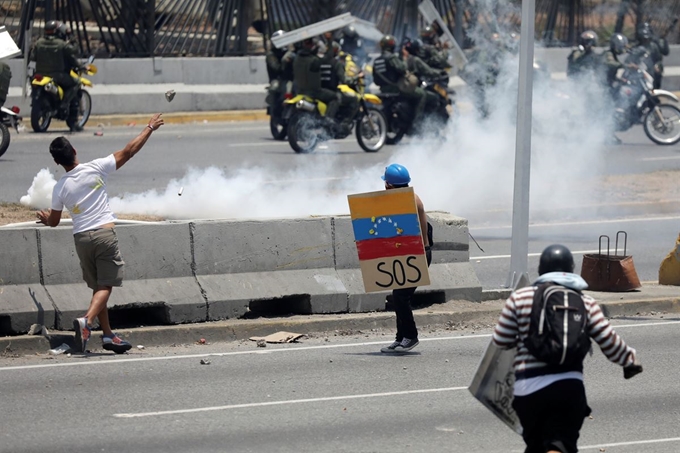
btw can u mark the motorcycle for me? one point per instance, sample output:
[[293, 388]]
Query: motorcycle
[[308, 125], [400, 112], [638, 102], [275, 97], [47, 100], [8, 118]]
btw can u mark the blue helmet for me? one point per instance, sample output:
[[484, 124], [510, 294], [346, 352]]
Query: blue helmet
[[396, 175]]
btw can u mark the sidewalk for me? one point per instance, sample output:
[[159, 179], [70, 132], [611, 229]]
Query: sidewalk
[[452, 315]]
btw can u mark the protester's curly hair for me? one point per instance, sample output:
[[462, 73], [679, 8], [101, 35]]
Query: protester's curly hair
[[62, 151]]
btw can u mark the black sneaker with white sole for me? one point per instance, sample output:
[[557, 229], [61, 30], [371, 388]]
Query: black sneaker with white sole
[[406, 345], [391, 348]]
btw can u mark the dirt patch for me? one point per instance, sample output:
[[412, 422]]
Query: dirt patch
[[18, 213]]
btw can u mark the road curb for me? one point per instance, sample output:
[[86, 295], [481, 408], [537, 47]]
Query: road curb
[[453, 315], [179, 117]]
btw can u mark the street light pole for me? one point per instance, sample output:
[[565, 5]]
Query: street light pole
[[519, 251]]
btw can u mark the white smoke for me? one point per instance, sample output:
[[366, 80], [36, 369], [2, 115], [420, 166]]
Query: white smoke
[[470, 170], [40, 193]]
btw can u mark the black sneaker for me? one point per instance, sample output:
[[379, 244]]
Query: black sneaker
[[391, 348], [406, 345]]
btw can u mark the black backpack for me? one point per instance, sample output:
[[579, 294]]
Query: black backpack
[[558, 332]]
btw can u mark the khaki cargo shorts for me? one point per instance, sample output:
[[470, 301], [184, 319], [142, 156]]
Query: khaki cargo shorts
[[100, 258]]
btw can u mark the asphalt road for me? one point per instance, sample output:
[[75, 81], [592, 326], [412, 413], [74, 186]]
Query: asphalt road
[[252, 175], [335, 394]]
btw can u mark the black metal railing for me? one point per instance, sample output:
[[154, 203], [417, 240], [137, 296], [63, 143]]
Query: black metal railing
[[143, 28]]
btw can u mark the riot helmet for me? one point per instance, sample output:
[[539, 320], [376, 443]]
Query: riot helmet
[[588, 39], [618, 43], [350, 32], [56, 28], [413, 46], [644, 32], [556, 258], [428, 34], [388, 43], [396, 175]]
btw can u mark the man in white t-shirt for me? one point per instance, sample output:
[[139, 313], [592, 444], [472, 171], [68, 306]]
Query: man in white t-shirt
[[83, 191]]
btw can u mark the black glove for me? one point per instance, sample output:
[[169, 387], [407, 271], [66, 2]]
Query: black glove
[[632, 369]]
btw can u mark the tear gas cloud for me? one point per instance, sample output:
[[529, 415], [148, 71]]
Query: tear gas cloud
[[470, 170]]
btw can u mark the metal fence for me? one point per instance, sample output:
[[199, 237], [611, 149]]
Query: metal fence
[[143, 28]]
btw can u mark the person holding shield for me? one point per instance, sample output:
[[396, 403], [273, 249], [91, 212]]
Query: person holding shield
[[397, 176]]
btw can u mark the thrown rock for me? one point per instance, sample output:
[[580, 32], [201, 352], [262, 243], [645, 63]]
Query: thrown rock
[[261, 344], [205, 362]]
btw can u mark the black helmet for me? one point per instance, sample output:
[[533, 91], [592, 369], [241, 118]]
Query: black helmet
[[428, 34], [618, 43], [349, 32], [388, 43], [588, 39], [644, 31], [556, 258], [413, 46], [56, 28]]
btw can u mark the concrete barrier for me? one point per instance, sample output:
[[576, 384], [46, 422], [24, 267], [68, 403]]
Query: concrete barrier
[[182, 272]]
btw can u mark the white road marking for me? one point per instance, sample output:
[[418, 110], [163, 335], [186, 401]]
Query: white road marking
[[659, 158], [634, 442], [279, 403], [583, 222], [493, 257], [281, 350]]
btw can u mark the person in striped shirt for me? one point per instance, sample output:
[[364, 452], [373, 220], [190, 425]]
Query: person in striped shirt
[[550, 401]]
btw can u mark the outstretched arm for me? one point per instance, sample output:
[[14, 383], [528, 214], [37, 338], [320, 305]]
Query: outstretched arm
[[138, 142]]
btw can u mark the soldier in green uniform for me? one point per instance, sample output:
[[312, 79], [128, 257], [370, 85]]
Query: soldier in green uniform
[[279, 68], [55, 57], [390, 74], [610, 58], [333, 74], [657, 49], [583, 59], [307, 77], [415, 65], [431, 51]]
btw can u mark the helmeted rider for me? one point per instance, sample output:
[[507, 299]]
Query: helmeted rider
[[352, 44], [390, 74], [618, 44], [583, 59], [279, 68], [55, 57], [656, 49], [307, 77], [333, 73], [422, 70], [431, 51]]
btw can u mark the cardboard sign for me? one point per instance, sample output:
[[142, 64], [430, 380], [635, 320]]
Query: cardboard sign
[[8, 47], [493, 384], [389, 239]]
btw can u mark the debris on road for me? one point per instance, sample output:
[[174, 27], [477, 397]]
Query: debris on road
[[140, 347], [37, 329], [201, 341], [205, 362], [279, 337], [60, 349], [98, 134], [261, 344]]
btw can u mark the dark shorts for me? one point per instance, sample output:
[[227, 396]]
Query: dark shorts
[[552, 417], [100, 257]]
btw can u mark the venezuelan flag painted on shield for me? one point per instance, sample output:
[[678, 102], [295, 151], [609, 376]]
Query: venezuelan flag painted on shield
[[388, 239]]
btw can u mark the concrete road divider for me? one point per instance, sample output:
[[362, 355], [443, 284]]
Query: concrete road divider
[[187, 272]]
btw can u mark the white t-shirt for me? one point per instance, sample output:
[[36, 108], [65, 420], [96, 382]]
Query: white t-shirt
[[83, 192]]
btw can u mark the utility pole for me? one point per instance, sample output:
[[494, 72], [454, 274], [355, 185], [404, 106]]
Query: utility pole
[[519, 252]]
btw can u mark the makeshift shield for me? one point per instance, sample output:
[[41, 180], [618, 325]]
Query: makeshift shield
[[493, 384]]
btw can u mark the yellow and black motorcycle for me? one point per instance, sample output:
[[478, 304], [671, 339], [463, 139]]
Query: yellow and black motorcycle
[[308, 125], [47, 100]]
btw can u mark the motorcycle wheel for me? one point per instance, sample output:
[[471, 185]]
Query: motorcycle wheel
[[41, 115], [278, 128], [84, 110], [394, 137], [371, 130], [4, 138], [301, 136], [666, 131]]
